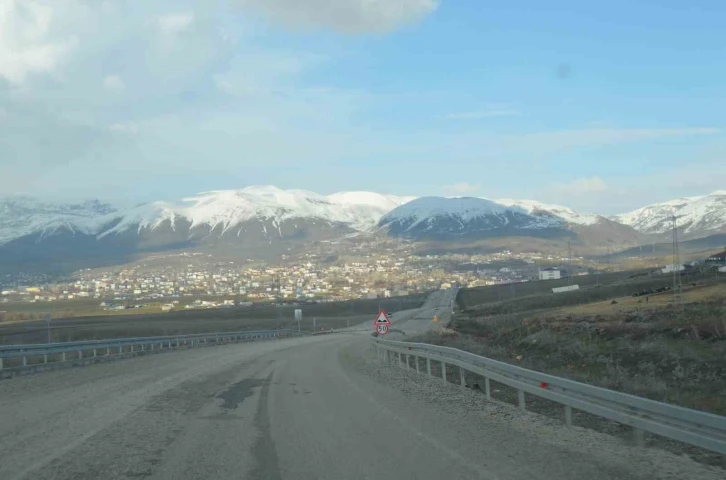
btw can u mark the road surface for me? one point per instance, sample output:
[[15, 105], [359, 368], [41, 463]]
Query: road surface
[[308, 408]]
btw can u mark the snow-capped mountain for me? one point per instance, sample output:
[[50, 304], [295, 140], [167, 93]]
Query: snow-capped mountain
[[469, 218], [437, 216], [265, 220], [269, 218], [367, 208], [223, 212], [21, 216], [544, 209], [696, 217]]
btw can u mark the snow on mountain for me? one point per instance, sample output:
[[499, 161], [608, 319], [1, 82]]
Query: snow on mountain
[[365, 209], [220, 210], [380, 201], [459, 216], [21, 215], [537, 208], [226, 209], [272, 207], [698, 216], [229, 208], [464, 208]]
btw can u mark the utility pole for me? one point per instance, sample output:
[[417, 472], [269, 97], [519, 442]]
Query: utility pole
[[279, 301], [677, 285], [569, 261]]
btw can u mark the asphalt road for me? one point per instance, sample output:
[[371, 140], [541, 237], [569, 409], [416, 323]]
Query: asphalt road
[[307, 408]]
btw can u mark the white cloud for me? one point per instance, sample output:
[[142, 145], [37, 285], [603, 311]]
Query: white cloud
[[27, 45], [565, 139], [348, 16], [114, 83], [582, 186], [481, 114], [125, 127], [175, 22], [462, 188]]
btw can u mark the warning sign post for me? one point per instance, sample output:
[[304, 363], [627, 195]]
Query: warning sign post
[[382, 323]]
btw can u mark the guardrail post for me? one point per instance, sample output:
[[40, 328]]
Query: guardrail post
[[80, 354], [415, 359], [520, 399], [568, 415], [1, 363], [461, 377], [143, 347], [169, 343], [151, 346], [487, 388], [108, 350], [45, 358], [408, 366], [428, 366], [177, 342], [64, 356], [400, 360], [132, 348], [95, 352], [25, 361], [443, 371], [120, 349]]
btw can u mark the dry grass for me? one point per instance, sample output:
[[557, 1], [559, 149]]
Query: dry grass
[[691, 294], [656, 350]]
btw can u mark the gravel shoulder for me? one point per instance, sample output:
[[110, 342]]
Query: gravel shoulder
[[540, 442]]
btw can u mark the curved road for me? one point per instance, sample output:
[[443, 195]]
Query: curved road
[[307, 408]]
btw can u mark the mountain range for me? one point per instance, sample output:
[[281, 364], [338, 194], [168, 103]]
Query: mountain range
[[270, 218]]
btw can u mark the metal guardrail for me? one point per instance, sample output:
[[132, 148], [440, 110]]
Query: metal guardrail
[[693, 427], [58, 352]]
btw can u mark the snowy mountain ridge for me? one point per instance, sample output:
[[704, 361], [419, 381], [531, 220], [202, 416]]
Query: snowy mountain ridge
[[22, 215], [224, 210], [538, 208], [696, 217]]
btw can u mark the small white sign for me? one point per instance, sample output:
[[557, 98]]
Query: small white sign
[[298, 314]]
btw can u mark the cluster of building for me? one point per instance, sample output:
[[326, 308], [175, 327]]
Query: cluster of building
[[313, 277]]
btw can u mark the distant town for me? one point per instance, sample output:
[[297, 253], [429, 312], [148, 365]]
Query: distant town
[[185, 280], [311, 277]]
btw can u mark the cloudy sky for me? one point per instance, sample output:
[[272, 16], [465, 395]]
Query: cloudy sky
[[600, 107]]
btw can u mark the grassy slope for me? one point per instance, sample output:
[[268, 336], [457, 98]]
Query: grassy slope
[[650, 349]]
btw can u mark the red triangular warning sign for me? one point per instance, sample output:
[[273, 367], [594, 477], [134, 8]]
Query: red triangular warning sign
[[382, 318]]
